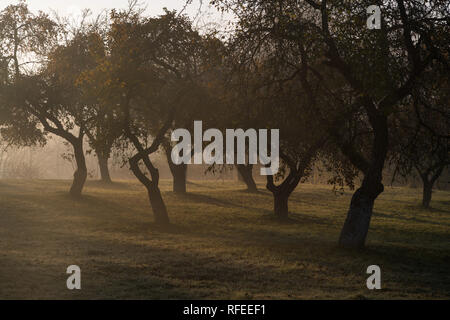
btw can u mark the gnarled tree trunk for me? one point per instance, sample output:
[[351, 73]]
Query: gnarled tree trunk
[[245, 172], [282, 192], [152, 185], [428, 183], [104, 169], [80, 175], [158, 205], [154, 194], [427, 191], [178, 171], [179, 177], [280, 205], [356, 226]]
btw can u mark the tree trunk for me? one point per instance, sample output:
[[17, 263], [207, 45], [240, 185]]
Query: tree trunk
[[427, 191], [280, 207], [104, 170], [356, 226], [154, 194], [282, 192], [179, 172], [158, 206], [80, 175], [179, 177], [428, 183], [239, 176], [245, 172]]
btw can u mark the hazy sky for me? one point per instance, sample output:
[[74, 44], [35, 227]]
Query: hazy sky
[[74, 6], [154, 7]]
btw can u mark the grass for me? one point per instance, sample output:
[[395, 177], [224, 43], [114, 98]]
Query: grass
[[224, 244]]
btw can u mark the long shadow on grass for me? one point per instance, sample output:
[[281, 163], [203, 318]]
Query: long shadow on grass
[[416, 267], [130, 267], [201, 198], [413, 219], [197, 197], [205, 185], [409, 235], [294, 218], [428, 210], [114, 185], [117, 217], [318, 262]]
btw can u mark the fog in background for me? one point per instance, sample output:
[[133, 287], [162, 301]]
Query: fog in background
[[54, 161], [205, 16]]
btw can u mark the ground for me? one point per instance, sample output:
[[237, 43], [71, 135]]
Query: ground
[[224, 244]]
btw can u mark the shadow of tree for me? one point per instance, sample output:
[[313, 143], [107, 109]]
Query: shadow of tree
[[403, 218]]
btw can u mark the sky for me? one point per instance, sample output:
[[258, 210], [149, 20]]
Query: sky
[[75, 6], [154, 7]]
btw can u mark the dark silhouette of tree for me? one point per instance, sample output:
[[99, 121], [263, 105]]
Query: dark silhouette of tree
[[19, 33], [274, 86], [245, 172], [102, 130], [197, 61], [420, 139], [378, 70], [146, 79], [40, 92]]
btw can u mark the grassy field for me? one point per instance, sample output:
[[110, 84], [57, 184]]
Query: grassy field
[[224, 244]]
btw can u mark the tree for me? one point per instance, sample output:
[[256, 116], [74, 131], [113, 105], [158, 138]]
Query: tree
[[178, 171], [146, 79], [237, 101], [102, 139], [301, 139], [41, 93], [101, 130], [197, 61], [381, 101], [20, 32], [379, 69], [421, 140], [245, 172], [274, 87]]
